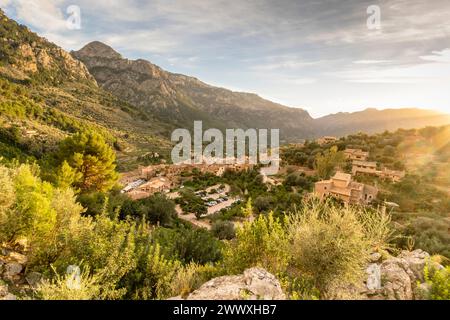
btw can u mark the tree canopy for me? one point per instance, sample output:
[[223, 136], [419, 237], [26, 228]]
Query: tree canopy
[[93, 160]]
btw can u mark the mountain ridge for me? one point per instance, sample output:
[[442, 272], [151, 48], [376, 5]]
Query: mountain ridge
[[169, 95], [46, 95], [372, 120], [185, 98], [140, 103]]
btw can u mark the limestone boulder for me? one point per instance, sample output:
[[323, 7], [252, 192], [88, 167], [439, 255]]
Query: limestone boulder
[[396, 280], [253, 284], [12, 270], [33, 279], [399, 278]]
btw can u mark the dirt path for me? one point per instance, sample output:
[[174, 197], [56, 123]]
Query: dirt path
[[190, 217]]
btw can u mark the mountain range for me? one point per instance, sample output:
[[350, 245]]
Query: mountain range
[[182, 99], [137, 104]]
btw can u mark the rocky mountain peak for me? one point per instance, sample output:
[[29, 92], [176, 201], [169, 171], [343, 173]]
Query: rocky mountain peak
[[98, 49], [24, 52], [184, 99]]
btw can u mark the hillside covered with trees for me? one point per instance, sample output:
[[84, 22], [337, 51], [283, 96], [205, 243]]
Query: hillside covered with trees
[[64, 142]]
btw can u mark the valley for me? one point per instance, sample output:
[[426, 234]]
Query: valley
[[93, 207]]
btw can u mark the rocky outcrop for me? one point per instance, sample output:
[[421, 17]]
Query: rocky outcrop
[[183, 98], [5, 294], [33, 55], [33, 58], [388, 278], [253, 284], [14, 281], [397, 278], [10, 272]]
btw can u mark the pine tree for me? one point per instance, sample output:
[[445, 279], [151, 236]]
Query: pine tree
[[91, 157], [66, 176]]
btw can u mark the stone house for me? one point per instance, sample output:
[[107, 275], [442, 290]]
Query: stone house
[[326, 139], [368, 167], [356, 154], [394, 175], [343, 187], [157, 184]]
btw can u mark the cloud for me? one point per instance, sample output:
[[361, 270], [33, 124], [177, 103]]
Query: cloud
[[286, 64], [43, 15], [438, 56], [183, 62], [300, 81], [370, 61], [436, 69], [268, 47], [141, 41]]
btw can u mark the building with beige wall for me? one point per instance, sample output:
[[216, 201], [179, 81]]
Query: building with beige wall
[[369, 167], [326, 139], [393, 175], [343, 187], [356, 154]]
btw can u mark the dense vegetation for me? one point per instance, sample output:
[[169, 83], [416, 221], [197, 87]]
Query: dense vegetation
[[123, 258], [141, 250], [421, 218], [63, 141]]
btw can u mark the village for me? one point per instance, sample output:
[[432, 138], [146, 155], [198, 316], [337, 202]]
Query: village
[[343, 186], [170, 179]]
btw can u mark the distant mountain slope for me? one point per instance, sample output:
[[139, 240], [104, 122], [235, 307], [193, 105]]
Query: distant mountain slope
[[373, 120], [46, 94], [183, 99], [179, 100]]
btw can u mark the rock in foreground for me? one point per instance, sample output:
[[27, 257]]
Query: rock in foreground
[[253, 284]]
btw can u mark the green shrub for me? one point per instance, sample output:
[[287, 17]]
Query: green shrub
[[191, 277], [439, 282], [328, 245], [224, 230], [32, 214], [315, 250], [157, 209], [262, 242], [85, 287], [188, 244]]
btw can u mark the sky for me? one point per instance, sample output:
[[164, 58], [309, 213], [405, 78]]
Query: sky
[[320, 55]]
